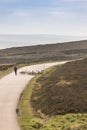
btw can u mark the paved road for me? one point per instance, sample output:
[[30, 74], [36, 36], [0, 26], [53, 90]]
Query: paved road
[[11, 87]]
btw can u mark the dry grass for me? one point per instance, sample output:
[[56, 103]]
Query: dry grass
[[64, 83], [62, 89]]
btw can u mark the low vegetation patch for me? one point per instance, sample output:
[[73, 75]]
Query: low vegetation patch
[[56, 99], [62, 90]]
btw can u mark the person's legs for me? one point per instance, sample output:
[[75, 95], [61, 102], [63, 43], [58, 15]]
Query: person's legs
[[15, 72]]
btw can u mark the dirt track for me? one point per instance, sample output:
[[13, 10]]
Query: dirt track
[[11, 87]]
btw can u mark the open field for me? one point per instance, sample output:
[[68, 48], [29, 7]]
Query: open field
[[56, 100], [40, 53]]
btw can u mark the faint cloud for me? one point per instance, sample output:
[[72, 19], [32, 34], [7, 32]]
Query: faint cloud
[[61, 13], [21, 13], [56, 13]]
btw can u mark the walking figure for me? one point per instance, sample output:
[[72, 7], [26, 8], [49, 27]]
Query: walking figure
[[15, 70]]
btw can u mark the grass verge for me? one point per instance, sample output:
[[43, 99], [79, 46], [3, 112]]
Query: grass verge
[[26, 119]]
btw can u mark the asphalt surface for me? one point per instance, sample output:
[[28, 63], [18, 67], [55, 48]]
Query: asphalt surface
[[11, 86]]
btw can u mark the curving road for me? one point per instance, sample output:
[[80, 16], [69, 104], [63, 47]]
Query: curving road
[[11, 87]]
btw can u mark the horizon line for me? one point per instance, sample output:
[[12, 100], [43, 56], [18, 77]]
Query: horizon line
[[44, 34]]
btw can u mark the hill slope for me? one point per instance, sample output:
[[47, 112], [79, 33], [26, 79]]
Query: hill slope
[[62, 89], [50, 52]]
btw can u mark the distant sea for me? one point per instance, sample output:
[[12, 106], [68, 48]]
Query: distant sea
[[8, 41]]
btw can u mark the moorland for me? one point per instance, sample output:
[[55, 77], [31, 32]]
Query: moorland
[[40, 53], [56, 99]]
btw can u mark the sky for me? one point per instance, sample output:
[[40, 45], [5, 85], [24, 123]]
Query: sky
[[59, 17]]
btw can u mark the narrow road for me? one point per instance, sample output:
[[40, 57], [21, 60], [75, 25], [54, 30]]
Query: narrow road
[[11, 87]]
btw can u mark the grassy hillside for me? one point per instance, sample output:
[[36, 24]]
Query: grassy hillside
[[57, 99], [50, 52], [62, 90]]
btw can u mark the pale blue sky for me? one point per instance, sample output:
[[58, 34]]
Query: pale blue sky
[[60, 17]]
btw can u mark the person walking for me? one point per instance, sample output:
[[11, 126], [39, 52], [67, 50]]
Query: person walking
[[15, 70], [17, 111]]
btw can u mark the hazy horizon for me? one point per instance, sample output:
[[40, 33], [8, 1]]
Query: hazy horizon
[[10, 40]]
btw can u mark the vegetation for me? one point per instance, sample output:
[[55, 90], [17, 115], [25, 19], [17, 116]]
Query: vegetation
[[62, 90], [27, 121], [56, 99], [40, 53], [5, 69]]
